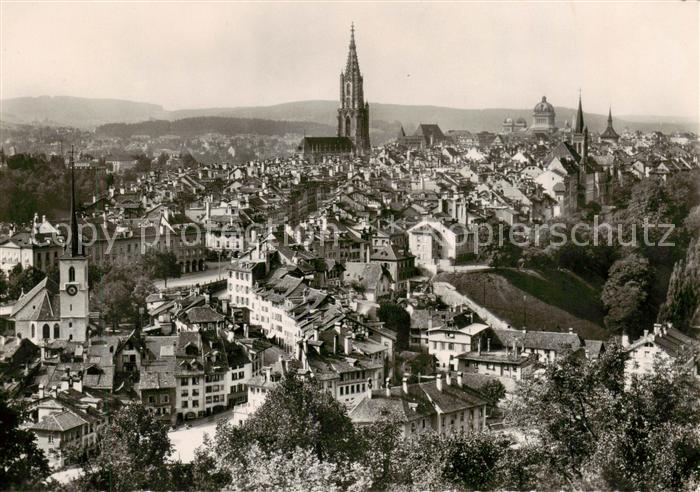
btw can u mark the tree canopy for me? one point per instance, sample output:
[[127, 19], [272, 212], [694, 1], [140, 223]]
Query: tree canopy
[[22, 463], [132, 454]]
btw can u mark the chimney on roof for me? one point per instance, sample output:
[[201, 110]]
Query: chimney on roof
[[369, 388], [387, 387], [54, 391], [408, 289], [268, 374], [460, 379], [625, 339], [347, 345], [42, 394], [488, 344], [404, 385], [283, 363], [571, 330], [335, 343], [448, 378], [438, 382]]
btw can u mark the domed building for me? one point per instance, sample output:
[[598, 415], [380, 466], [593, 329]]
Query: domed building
[[543, 117], [512, 126], [508, 125]]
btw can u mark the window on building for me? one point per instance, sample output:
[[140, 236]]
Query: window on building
[[71, 274]]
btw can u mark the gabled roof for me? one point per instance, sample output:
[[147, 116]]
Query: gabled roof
[[366, 274], [59, 421], [40, 303]]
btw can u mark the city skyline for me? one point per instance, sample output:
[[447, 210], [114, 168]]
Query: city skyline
[[186, 56]]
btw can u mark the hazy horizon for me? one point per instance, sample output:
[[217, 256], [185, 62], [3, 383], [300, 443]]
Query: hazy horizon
[[456, 55]]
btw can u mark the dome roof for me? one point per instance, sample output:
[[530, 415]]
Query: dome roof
[[521, 121], [543, 106], [508, 120]]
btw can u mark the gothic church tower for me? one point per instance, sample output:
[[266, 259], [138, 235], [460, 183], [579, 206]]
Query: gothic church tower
[[353, 113], [578, 137]]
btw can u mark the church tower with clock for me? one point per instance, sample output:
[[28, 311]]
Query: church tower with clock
[[73, 274]]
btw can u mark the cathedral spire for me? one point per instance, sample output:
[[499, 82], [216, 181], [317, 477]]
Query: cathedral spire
[[352, 65], [578, 128], [610, 116]]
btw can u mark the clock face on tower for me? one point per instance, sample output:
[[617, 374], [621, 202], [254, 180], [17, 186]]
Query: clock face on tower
[[71, 290]]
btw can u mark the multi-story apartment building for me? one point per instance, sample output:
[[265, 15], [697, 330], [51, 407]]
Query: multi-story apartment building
[[63, 420], [128, 242], [433, 242], [39, 247]]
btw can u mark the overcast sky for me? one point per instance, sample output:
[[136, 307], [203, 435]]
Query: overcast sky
[[643, 58]]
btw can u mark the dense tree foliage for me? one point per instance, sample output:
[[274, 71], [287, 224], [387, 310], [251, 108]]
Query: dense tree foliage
[[597, 430], [35, 184], [22, 463], [396, 319], [296, 414], [132, 454], [186, 127], [3, 284], [161, 265], [626, 295], [121, 292], [682, 303], [23, 280]]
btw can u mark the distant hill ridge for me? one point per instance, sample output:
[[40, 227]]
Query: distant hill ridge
[[188, 127], [384, 118]]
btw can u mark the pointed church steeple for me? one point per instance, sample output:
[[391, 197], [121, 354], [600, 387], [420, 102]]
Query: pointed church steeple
[[610, 135], [74, 247], [578, 128], [352, 65]]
